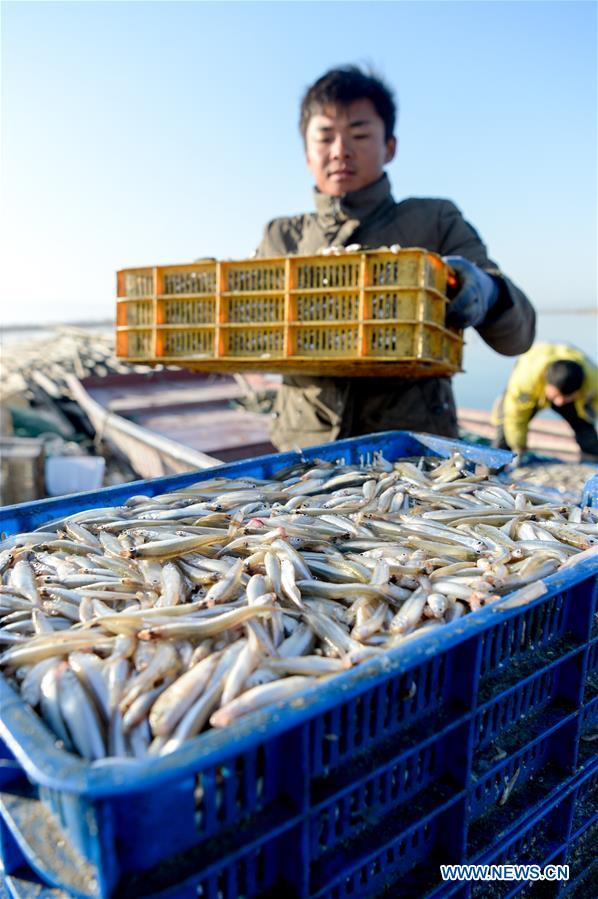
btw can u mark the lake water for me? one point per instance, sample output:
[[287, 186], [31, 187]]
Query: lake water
[[486, 372]]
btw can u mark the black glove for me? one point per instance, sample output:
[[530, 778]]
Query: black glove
[[478, 292]]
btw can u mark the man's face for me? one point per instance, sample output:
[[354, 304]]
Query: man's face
[[554, 396], [345, 147]]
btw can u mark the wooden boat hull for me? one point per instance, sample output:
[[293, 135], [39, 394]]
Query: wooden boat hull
[[546, 436], [170, 422]]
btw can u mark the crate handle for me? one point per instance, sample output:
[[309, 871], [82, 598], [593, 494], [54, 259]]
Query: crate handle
[[452, 282]]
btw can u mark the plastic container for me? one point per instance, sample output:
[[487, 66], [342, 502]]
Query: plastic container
[[370, 313], [364, 787], [73, 474]]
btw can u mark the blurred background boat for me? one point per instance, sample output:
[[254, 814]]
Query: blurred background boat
[[171, 421]]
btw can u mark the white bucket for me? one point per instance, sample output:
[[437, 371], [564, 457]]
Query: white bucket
[[73, 474]]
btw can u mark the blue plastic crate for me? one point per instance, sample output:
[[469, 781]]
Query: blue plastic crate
[[364, 787], [561, 832]]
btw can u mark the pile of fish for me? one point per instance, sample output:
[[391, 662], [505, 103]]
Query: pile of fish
[[340, 250], [132, 629], [566, 477]]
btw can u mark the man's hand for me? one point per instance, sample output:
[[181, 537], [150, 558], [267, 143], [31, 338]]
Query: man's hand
[[477, 294]]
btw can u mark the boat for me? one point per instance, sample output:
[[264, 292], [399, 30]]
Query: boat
[[165, 422], [548, 436]]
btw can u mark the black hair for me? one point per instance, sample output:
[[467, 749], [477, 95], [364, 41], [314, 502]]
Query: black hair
[[566, 376], [344, 85]]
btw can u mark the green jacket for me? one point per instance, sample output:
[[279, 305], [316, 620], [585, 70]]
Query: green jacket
[[525, 391], [312, 410]]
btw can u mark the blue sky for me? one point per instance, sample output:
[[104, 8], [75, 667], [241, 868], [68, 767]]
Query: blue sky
[[151, 132]]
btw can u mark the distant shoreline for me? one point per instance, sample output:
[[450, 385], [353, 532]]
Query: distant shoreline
[[587, 310], [48, 326], [110, 322]]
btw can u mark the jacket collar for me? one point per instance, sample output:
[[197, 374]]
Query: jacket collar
[[332, 212]]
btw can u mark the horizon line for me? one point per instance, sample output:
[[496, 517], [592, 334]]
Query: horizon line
[[111, 322]]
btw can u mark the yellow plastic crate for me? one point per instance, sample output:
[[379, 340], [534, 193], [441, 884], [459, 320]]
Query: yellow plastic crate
[[363, 313]]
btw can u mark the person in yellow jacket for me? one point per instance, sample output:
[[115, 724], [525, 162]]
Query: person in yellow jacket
[[556, 375]]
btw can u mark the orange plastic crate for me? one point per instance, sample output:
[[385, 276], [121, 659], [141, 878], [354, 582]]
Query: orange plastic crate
[[363, 313]]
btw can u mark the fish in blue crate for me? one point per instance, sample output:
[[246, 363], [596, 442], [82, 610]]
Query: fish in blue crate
[[132, 629]]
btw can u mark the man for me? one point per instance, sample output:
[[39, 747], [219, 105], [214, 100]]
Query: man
[[347, 122], [555, 375]]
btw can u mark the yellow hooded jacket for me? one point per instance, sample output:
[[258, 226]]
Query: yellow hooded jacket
[[525, 390]]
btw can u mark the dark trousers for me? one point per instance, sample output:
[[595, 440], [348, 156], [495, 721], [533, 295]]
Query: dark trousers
[[584, 431]]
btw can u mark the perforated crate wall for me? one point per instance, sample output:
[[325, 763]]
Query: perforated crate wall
[[372, 313]]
